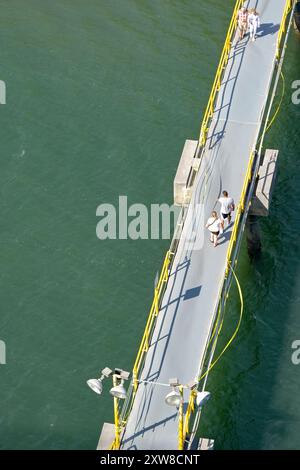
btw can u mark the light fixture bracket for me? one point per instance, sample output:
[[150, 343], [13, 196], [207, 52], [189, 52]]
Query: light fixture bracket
[[106, 372], [174, 382]]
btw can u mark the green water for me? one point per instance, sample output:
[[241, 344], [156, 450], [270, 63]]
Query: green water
[[101, 95]]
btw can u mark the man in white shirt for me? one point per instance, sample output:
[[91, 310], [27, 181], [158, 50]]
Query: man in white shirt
[[227, 206]]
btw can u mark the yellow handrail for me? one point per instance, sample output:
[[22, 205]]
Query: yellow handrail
[[288, 7], [218, 78], [240, 209], [189, 411], [248, 177], [154, 310], [144, 346]]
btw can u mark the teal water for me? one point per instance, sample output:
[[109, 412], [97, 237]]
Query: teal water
[[100, 98]]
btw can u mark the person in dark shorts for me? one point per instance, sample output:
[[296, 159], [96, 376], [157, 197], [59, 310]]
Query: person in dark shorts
[[215, 227], [227, 206]]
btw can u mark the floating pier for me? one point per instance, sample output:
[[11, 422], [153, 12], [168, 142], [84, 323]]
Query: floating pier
[[177, 349]]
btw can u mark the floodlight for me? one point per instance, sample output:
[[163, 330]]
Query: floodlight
[[95, 385], [119, 391], [173, 398]]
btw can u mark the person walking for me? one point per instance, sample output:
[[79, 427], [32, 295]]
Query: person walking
[[253, 23], [242, 18], [215, 227], [227, 206]]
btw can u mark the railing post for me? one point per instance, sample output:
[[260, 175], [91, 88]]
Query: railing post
[[166, 276], [156, 301], [227, 268], [146, 346], [190, 410], [134, 380], [180, 420], [117, 418]]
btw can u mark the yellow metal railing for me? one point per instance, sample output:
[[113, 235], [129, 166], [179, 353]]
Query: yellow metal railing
[[240, 210], [158, 292], [241, 206], [218, 78], [289, 5], [154, 310], [249, 172], [189, 412]]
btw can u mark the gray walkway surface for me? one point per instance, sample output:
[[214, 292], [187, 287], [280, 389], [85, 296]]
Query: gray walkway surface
[[187, 313]]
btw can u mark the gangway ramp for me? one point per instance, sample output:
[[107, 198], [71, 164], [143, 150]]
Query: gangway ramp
[[189, 304]]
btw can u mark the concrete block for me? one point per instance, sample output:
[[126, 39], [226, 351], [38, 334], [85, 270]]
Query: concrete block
[[205, 444], [106, 437], [181, 192], [260, 204]]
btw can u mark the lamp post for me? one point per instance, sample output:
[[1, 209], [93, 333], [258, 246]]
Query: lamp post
[[175, 398], [117, 391], [180, 420], [116, 414]]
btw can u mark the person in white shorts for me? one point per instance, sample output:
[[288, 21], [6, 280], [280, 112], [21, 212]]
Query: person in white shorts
[[227, 206], [253, 23], [215, 226]]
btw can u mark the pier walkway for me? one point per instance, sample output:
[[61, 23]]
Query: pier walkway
[[188, 307]]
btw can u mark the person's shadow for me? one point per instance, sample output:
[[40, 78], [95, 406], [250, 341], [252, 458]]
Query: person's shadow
[[267, 29], [225, 237]]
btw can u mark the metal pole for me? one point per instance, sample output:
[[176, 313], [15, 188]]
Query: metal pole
[[116, 415], [180, 420]]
